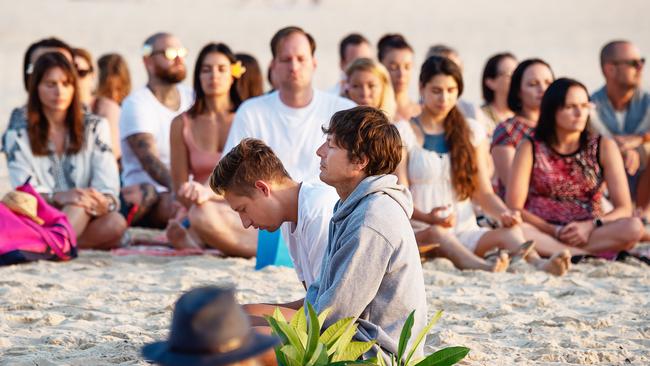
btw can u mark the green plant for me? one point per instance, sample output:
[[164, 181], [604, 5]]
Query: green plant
[[303, 344]]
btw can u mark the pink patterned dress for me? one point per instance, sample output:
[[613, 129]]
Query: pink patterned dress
[[566, 187]]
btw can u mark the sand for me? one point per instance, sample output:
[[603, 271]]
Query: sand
[[100, 309]]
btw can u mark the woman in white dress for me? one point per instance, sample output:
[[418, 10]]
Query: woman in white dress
[[444, 167]]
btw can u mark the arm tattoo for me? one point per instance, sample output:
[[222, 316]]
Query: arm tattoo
[[143, 146]]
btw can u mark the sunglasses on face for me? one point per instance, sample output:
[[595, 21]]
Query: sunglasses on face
[[171, 53], [84, 72], [637, 64]]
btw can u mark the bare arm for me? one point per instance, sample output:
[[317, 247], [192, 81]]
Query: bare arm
[[518, 184], [144, 148], [178, 151], [484, 194], [110, 110], [616, 180], [503, 156]]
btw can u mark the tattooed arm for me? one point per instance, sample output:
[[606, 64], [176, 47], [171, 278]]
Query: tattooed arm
[[143, 146]]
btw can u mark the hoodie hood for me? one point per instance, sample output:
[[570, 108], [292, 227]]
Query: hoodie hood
[[385, 184]]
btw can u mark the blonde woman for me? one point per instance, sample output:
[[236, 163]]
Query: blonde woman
[[367, 82]]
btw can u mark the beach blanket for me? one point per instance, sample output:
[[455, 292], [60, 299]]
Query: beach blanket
[[163, 251], [24, 240]]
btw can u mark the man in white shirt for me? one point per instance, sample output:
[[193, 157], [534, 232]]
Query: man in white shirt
[[145, 122], [256, 185], [289, 120], [352, 47]]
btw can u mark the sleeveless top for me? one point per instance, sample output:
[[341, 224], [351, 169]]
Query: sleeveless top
[[201, 162], [566, 187]]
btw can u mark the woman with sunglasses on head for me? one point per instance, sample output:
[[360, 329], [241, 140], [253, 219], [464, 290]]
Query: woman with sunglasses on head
[[527, 85], [66, 152], [558, 179], [367, 83], [397, 56], [441, 166], [197, 140], [495, 84]]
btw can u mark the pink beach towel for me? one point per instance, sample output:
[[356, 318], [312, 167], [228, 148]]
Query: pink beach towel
[[23, 240]]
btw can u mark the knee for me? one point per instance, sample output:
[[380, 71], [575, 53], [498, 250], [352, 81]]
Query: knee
[[117, 223], [633, 230]]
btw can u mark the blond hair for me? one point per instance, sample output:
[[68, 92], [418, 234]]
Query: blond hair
[[387, 100]]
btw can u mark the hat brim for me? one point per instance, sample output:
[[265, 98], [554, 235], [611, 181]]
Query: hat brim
[[160, 353]]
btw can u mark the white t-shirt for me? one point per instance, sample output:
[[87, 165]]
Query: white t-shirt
[[294, 134], [143, 113], [307, 240]]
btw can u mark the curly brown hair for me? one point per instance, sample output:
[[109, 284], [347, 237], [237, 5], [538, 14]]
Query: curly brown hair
[[251, 160], [464, 165]]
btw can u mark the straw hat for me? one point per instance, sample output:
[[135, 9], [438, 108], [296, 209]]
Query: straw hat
[[23, 203]]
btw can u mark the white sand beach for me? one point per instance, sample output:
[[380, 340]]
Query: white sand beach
[[100, 309]]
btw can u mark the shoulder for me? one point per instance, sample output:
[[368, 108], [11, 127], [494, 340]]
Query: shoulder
[[257, 105], [606, 144], [18, 119], [317, 197], [478, 132], [336, 102], [598, 95]]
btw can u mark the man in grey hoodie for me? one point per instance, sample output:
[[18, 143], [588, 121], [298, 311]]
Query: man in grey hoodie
[[371, 269]]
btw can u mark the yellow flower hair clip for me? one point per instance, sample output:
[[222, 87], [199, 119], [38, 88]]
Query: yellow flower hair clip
[[237, 69]]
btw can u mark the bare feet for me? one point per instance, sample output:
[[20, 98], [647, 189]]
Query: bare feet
[[501, 262], [179, 237], [558, 264]]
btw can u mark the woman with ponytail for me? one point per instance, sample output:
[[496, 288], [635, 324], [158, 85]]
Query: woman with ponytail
[[443, 164]]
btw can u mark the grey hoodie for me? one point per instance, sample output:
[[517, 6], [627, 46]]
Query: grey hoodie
[[371, 268]]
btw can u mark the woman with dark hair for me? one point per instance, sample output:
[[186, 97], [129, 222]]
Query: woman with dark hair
[[251, 82], [66, 153], [495, 84], [442, 169], [113, 85], [529, 81], [397, 56], [558, 178], [197, 139]]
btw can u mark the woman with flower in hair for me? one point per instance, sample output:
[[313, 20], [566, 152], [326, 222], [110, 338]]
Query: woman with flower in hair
[[197, 139]]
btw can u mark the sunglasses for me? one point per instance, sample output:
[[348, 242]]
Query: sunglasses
[[171, 53], [84, 72], [637, 64]]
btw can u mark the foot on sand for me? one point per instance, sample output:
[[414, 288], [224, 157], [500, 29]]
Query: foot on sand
[[499, 262], [558, 264], [179, 237]]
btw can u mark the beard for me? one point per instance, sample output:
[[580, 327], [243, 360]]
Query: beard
[[170, 76]]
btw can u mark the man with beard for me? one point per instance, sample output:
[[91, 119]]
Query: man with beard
[[145, 122], [622, 107]]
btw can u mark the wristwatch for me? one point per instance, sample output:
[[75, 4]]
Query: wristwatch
[[598, 222]]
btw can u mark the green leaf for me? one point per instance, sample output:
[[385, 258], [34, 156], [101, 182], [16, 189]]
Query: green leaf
[[275, 327], [290, 354], [380, 357], [299, 321], [277, 315], [445, 357], [358, 362], [323, 316], [334, 331], [422, 335], [292, 338], [319, 358], [404, 336], [313, 333], [354, 351], [343, 341]]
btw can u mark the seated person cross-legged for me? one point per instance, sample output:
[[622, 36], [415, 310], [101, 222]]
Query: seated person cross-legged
[[557, 180], [67, 154], [443, 166]]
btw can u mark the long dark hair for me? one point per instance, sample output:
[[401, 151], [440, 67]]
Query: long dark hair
[[491, 71], [38, 126], [51, 42], [464, 167], [114, 77], [199, 94], [555, 98], [251, 83], [514, 101]]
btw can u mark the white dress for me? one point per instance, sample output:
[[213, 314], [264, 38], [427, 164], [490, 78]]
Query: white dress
[[429, 175]]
